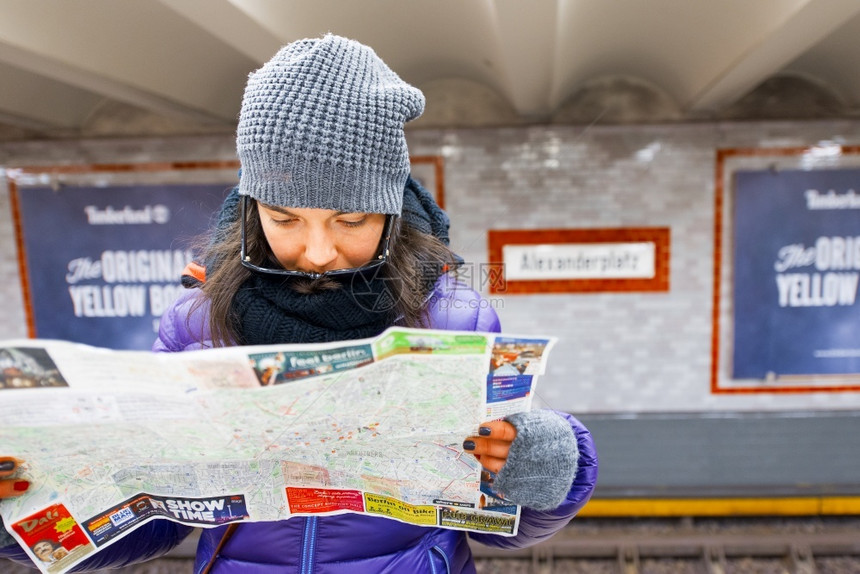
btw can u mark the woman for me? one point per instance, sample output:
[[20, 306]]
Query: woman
[[327, 238]]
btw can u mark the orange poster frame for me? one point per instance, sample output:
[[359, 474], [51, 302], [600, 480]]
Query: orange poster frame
[[723, 157]]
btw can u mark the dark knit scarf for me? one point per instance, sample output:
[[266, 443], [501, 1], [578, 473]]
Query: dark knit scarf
[[269, 311]]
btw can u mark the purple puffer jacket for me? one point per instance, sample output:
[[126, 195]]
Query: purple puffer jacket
[[353, 543]]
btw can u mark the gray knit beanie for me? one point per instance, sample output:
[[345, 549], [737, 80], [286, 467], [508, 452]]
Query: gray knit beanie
[[542, 462], [321, 126]]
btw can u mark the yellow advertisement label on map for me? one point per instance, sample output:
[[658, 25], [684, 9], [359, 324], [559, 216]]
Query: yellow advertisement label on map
[[393, 508], [480, 522]]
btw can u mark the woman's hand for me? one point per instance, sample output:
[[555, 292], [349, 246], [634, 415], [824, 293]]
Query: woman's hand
[[538, 468], [492, 445], [9, 485]]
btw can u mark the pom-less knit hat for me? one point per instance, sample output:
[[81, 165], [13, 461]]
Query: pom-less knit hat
[[321, 126]]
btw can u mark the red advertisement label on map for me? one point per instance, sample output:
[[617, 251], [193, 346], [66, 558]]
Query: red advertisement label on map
[[54, 537], [324, 500]]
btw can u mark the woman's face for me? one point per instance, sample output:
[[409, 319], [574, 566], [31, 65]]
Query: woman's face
[[319, 240]]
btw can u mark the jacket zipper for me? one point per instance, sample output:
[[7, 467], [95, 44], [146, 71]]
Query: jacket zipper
[[309, 545], [441, 553]]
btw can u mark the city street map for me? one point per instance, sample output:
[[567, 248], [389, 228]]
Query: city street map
[[113, 439]]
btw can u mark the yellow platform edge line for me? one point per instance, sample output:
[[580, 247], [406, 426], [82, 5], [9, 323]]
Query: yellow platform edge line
[[781, 506]]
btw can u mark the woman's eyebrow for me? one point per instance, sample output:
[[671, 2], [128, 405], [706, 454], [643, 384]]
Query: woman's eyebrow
[[278, 208], [286, 211]]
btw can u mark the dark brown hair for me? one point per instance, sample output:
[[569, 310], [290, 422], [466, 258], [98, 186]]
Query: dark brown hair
[[415, 260]]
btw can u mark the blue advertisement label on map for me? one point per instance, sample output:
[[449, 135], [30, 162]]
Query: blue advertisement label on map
[[505, 388], [212, 511], [284, 366]]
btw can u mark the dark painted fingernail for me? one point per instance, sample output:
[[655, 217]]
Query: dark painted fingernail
[[469, 445], [485, 431], [7, 466], [21, 486]]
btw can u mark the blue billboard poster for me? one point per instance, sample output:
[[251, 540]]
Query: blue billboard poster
[[796, 269], [103, 263]]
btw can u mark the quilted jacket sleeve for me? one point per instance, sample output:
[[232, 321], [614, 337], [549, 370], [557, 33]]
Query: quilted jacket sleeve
[[535, 525], [183, 327], [455, 306]]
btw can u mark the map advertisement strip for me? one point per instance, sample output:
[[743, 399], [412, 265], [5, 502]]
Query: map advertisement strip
[[425, 515], [113, 439], [317, 500], [213, 511], [278, 367], [464, 520], [53, 538]]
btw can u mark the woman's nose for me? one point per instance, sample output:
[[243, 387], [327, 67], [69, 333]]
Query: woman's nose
[[320, 251]]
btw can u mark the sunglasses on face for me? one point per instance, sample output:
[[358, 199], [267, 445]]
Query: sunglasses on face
[[372, 265]]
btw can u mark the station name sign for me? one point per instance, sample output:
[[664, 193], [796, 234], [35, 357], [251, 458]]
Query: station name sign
[[580, 260]]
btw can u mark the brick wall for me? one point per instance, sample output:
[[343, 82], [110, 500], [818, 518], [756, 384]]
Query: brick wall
[[630, 352]]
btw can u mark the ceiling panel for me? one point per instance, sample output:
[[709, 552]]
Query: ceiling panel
[[187, 61]]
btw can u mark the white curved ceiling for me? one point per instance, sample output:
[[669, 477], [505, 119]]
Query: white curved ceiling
[[62, 61]]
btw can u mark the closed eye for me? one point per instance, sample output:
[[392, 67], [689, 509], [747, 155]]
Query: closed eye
[[356, 223], [283, 222]]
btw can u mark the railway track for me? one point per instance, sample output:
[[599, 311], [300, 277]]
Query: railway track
[[808, 545], [681, 546]]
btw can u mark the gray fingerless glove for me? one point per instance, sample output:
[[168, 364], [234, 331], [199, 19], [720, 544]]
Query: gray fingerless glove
[[542, 461]]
